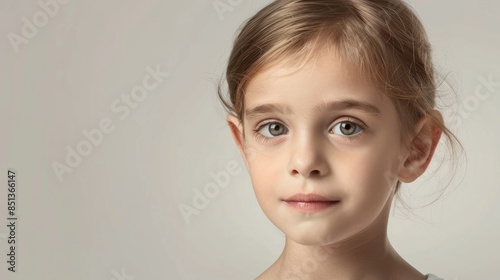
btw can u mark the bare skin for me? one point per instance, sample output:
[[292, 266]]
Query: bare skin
[[368, 256], [342, 152]]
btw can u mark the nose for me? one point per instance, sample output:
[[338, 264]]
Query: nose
[[308, 157]]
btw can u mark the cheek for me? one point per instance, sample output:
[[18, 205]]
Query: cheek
[[367, 177], [264, 171], [265, 182]]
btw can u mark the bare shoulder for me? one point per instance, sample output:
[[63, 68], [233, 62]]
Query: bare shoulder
[[410, 276], [268, 274], [407, 272]]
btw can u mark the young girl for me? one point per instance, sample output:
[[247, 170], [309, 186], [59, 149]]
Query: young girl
[[332, 107]]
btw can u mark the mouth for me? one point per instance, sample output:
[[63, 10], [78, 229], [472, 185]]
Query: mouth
[[310, 202]]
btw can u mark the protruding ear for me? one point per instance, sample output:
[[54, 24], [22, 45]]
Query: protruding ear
[[237, 131], [421, 149]]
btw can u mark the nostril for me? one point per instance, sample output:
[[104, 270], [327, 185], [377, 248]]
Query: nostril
[[315, 172]]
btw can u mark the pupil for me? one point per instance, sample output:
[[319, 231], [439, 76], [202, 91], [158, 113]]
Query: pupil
[[347, 128], [276, 129]]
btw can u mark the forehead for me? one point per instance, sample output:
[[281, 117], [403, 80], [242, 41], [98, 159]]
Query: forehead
[[322, 78]]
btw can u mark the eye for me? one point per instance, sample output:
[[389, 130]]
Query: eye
[[272, 129], [267, 132], [347, 128]]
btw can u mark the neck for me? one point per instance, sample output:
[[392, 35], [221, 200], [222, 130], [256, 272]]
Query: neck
[[343, 261]]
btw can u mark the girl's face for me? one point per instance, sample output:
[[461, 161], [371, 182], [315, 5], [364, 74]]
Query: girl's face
[[323, 131]]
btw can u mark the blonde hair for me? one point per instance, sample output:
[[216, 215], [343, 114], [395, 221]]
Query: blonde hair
[[383, 39]]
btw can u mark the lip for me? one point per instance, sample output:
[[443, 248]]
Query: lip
[[310, 202]]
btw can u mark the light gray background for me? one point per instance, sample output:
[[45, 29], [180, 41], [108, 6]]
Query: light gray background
[[116, 215]]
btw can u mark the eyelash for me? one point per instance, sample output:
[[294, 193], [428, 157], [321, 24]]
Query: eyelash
[[265, 139]]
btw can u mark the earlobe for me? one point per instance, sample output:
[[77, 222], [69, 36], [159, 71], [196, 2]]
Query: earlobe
[[422, 148]]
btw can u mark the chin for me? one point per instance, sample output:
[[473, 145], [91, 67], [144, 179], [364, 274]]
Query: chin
[[310, 235], [306, 240]]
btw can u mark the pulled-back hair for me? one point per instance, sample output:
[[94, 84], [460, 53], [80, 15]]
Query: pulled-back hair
[[382, 39]]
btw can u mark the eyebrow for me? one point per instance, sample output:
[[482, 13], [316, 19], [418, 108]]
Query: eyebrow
[[324, 106]]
